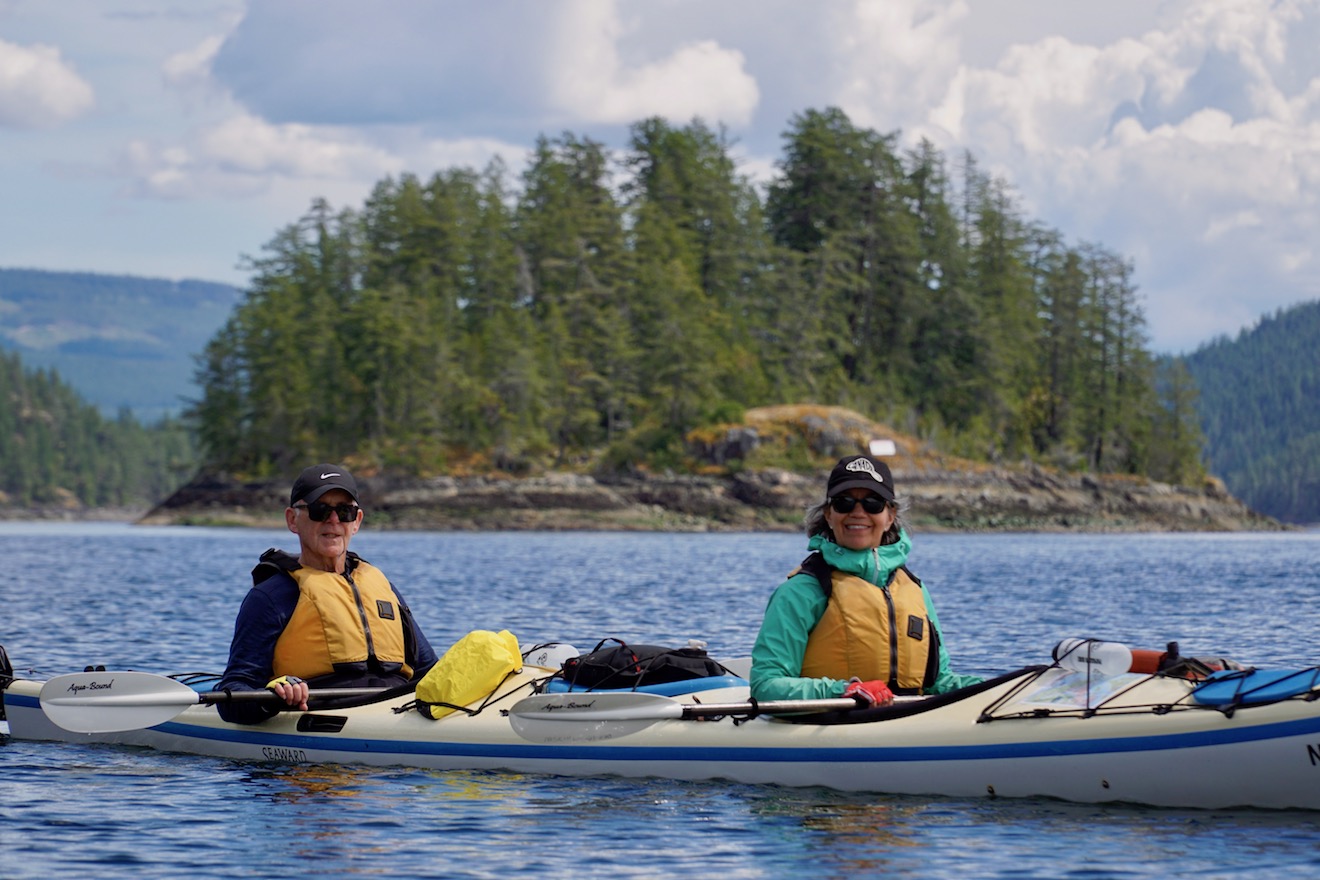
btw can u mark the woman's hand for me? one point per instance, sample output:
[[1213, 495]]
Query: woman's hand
[[869, 693]]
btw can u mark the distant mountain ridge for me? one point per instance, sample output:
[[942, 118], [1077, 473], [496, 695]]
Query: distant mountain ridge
[[1259, 408], [122, 341]]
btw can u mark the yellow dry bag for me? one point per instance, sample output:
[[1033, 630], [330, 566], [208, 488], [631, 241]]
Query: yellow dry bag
[[469, 671]]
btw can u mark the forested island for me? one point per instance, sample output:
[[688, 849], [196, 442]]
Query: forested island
[[591, 316]]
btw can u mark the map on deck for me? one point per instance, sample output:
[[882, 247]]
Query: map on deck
[[1064, 689]]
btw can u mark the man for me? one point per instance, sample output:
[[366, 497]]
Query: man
[[325, 618]]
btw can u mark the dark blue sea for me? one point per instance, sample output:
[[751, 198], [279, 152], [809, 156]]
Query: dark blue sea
[[163, 600]]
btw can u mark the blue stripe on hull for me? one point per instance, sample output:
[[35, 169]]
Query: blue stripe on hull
[[728, 754]]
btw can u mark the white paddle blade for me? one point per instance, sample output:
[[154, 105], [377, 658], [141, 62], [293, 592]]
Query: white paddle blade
[[597, 706], [588, 717], [108, 702]]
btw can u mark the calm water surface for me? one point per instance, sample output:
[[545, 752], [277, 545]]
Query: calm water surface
[[163, 600]]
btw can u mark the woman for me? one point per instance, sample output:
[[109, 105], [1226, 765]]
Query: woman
[[852, 620]]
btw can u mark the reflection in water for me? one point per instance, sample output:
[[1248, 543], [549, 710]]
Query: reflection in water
[[311, 781], [866, 837], [863, 826]]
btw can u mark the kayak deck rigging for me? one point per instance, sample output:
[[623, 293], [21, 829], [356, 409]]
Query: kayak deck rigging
[[1040, 692], [1055, 693]]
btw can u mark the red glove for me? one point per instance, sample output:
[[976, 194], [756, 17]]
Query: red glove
[[869, 693]]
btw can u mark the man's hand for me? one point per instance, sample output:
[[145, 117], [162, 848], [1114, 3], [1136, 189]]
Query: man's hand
[[291, 689]]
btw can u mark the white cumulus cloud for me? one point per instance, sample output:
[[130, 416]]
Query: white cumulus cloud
[[591, 82], [38, 89], [193, 66], [244, 155], [895, 58]]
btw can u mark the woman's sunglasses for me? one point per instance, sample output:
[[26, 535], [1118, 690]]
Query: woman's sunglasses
[[319, 511], [846, 503]]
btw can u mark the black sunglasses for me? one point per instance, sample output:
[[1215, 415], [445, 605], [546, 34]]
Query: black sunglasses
[[846, 503], [319, 511]]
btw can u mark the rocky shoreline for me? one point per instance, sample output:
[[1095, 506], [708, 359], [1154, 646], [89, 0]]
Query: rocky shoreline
[[735, 485], [936, 499]]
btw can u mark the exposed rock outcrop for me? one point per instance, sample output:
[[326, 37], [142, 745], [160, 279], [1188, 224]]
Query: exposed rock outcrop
[[939, 492], [769, 500]]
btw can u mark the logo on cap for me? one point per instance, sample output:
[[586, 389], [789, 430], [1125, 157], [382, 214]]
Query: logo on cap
[[864, 464], [328, 476]]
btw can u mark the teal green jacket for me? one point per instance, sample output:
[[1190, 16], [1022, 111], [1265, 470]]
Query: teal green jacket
[[795, 608]]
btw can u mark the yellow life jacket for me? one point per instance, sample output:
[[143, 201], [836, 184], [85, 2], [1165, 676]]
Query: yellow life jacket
[[351, 619], [872, 633]]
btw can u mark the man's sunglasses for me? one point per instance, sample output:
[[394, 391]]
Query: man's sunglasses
[[319, 511], [846, 503]]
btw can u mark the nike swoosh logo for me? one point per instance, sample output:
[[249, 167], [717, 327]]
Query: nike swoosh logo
[[328, 476]]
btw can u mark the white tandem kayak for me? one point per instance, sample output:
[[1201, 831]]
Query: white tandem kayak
[[1240, 738]]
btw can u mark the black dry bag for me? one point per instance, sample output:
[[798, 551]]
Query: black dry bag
[[630, 666]]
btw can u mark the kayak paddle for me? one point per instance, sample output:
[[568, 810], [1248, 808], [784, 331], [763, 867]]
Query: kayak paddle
[[589, 716], [108, 702]]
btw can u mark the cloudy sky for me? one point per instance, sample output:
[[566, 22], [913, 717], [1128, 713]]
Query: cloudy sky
[[170, 138]]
